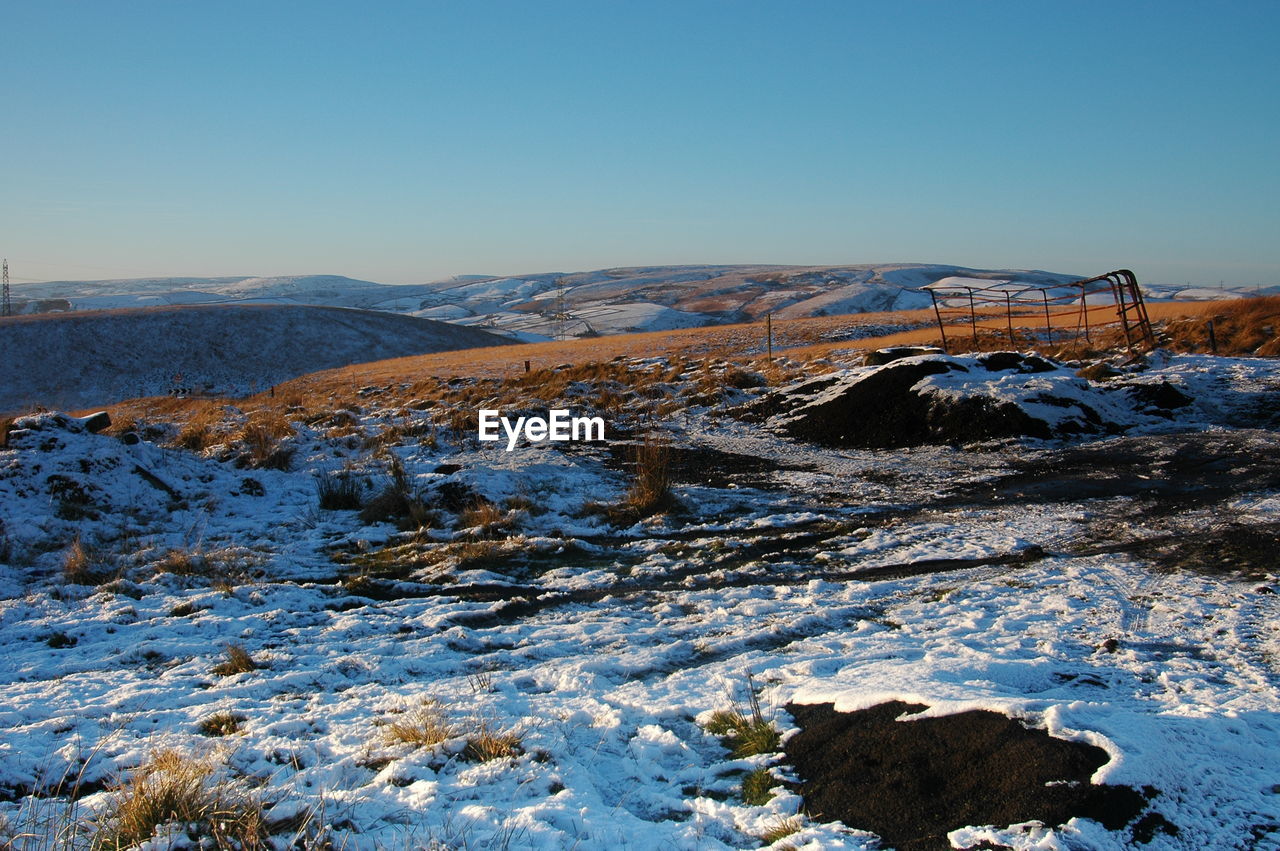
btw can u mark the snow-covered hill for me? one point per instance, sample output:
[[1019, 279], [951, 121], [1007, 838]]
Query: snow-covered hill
[[328, 290], [95, 358], [555, 304], [611, 301]]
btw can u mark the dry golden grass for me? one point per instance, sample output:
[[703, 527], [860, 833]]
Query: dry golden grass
[[422, 726], [83, 565], [485, 517], [422, 380], [1246, 326], [486, 744], [651, 489], [263, 437], [199, 432], [220, 565], [238, 661], [220, 724], [178, 788]]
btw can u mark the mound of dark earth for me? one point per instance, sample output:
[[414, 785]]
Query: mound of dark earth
[[94, 358], [936, 399], [914, 781]]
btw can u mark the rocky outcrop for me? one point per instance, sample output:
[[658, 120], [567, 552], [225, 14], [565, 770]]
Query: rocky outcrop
[[937, 399]]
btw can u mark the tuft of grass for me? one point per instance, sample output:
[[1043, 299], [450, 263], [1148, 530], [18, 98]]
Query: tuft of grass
[[198, 433], [722, 722], [744, 734], [220, 724], [486, 744], [238, 661], [178, 790], [781, 829], [422, 726], [181, 563], [398, 502], [60, 640], [741, 379], [757, 787], [651, 490], [264, 439], [224, 565], [519, 502], [184, 609], [484, 516], [82, 565], [359, 584], [341, 491]]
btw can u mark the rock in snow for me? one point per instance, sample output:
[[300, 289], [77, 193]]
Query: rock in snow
[[936, 399]]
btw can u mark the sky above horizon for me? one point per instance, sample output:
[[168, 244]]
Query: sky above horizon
[[405, 142]]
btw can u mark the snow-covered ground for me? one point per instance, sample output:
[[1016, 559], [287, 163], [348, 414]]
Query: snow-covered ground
[[989, 576]]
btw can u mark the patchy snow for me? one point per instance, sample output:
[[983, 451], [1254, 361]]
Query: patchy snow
[[609, 644], [636, 316]]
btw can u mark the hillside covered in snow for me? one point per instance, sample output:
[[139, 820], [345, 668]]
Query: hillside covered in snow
[[94, 358], [581, 304]]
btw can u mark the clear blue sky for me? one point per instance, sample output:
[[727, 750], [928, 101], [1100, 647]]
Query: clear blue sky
[[406, 142]]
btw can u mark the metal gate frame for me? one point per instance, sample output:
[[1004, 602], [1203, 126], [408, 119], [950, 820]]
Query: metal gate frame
[[1126, 306]]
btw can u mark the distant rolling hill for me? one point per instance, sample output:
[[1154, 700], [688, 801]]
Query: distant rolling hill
[[76, 360], [580, 304]]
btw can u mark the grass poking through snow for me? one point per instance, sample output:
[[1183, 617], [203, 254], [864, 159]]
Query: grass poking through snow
[[781, 829], [178, 790], [238, 661], [220, 724], [745, 734], [422, 726], [757, 786], [487, 744]]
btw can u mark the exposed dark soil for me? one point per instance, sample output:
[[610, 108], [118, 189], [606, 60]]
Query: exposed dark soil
[[1233, 549], [1170, 472], [704, 465], [912, 782], [882, 412]]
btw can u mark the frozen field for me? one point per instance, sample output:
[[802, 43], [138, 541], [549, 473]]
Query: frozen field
[[1117, 590]]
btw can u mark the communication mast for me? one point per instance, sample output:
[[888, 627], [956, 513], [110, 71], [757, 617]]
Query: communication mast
[[6, 309], [561, 318]]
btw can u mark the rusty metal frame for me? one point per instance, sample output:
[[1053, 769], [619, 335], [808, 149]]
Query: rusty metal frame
[[1128, 308]]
